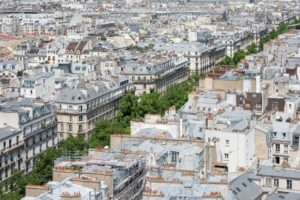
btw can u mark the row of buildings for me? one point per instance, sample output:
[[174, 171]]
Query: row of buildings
[[237, 137], [64, 65]]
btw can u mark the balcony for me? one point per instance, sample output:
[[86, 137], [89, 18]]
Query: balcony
[[42, 128], [12, 147], [72, 111]]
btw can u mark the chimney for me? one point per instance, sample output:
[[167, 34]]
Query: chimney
[[258, 88]]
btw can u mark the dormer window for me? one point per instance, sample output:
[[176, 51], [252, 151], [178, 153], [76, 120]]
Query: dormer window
[[283, 134]]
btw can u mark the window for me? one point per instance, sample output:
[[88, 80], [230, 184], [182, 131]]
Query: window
[[286, 148], [268, 182], [226, 155], [61, 126], [80, 108], [17, 139], [4, 145], [227, 142], [276, 182], [277, 160], [283, 134], [80, 128], [238, 189], [174, 156], [80, 118], [9, 143], [70, 118], [289, 184], [70, 127], [277, 147]]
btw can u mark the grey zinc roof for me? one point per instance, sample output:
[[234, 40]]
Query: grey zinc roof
[[244, 188], [182, 46], [278, 172], [37, 77], [71, 95], [153, 132], [284, 196], [57, 188], [7, 132]]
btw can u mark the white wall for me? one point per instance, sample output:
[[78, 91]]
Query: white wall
[[10, 119], [240, 149]]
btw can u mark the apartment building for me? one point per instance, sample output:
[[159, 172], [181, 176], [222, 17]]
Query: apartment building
[[11, 148], [79, 109], [220, 79], [283, 179], [77, 50], [77, 188], [124, 174], [174, 163], [38, 127], [9, 25], [268, 182], [38, 86], [155, 73], [200, 57]]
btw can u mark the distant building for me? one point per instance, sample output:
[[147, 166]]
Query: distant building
[[156, 75], [200, 57], [38, 86]]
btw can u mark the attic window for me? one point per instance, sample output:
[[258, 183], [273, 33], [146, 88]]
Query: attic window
[[244, 185], [238, 189], [284, 134], [79, 98]]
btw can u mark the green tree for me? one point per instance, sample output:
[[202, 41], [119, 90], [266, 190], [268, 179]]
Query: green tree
[[251, 49], [102, 132], [227, 61], [103, 38], [150, 103], [11, 196], [238, 56], [128, 109]]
